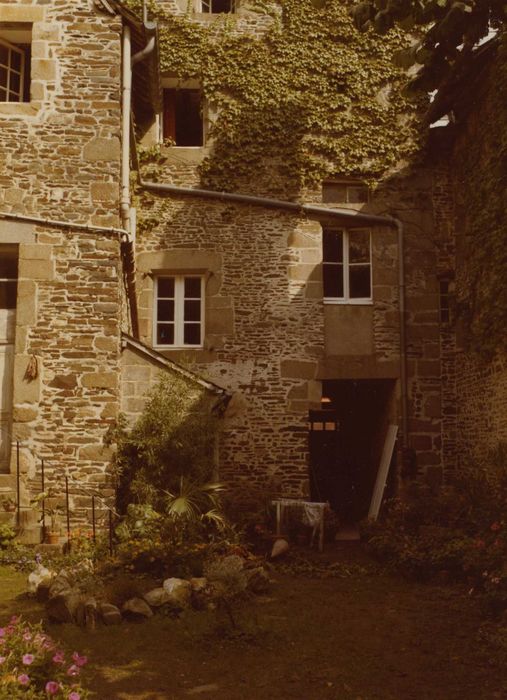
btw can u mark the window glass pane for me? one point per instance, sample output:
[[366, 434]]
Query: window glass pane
[[8, 266], [166, 287], [3, 95], [192, 334], [15, 84], [3, 77], [333, 281], [334, 192], [8, 295], [192, 311], [165, 334], [359, 280], [192, 287], [359, 246], [16, 60], [332, 246], [221, 6], [165, 310], [4, 55]]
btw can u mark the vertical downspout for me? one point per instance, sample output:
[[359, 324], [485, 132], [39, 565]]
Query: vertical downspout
[[126, 99], [403, 339]]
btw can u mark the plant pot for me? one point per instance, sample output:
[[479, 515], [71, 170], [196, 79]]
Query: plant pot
[[52, 537]]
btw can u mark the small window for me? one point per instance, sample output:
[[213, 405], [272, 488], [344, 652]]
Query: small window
[[183, 122], [179, 312], [15, 58], [216, 6], [347, 265], [8, 276], [345, 193]]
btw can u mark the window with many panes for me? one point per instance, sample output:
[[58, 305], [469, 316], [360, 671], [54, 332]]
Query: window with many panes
[[15, 53], [8, 276], [216, 6], [347, 265], [179, 311]]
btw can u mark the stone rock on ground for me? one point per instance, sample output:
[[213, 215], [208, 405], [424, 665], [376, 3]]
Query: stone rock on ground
[[64, 606], [280, 547], [110, 614], [136, 610], [157, 597], [257, 580], [200, 593], [179, 591], [36, 577]]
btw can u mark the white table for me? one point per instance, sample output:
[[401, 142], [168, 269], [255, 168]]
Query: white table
[[314, 512]]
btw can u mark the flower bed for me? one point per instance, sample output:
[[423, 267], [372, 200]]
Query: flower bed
[[33, 666]]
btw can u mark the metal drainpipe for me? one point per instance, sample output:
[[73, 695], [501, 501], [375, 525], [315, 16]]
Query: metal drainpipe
[[128, 62], [320, 213]]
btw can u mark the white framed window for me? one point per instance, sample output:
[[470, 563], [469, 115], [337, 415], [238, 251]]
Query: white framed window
[[347, 265], [178, 311], [215, 6], [12, 72]]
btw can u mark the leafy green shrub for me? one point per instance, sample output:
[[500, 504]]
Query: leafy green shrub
[[173, 438], [460, 531], [7, 534]]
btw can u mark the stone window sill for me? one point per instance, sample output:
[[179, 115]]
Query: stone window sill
[[19, 109]]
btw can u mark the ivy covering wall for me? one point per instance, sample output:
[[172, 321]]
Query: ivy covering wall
[[306, 97], [480, 167]]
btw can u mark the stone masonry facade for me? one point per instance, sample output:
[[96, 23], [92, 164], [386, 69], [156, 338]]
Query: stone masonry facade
[[270, 341], [60, 157]]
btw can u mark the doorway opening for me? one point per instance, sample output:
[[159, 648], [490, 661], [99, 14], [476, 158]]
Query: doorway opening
[[346, 440]]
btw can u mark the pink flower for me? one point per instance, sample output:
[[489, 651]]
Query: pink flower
[[23, 679], [74, 696], [2, 659], [14, 619], [59, 657], [52, 687], [28, 659], [79, 660], [27, 636], [73, 670]]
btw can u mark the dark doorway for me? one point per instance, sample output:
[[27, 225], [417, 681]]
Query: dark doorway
[[344, 461]]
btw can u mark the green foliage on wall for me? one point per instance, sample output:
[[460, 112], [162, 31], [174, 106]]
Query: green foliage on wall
[[482, 240], [303, 97]]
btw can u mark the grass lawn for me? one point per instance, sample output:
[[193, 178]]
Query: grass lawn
[[361, 638]]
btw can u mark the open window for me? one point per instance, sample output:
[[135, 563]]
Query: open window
[[183, 118], [347, 265], [178, 311], [216, 6], [15, 59]]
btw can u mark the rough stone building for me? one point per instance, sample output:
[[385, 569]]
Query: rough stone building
[[322, 319]]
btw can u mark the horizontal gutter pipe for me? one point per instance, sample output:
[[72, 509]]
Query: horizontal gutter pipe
[[322, 213], [308, 209], [63, 224]]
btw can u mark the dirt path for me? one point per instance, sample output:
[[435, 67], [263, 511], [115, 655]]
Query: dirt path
[[370, 637]]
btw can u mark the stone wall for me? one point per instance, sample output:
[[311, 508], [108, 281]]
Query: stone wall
[[60, 161], [477, 164]]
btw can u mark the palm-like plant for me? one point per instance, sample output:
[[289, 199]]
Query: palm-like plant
[[195, 503]]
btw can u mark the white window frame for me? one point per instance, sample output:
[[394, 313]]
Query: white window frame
[[346, 265], [179, 321], [11, 93]]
